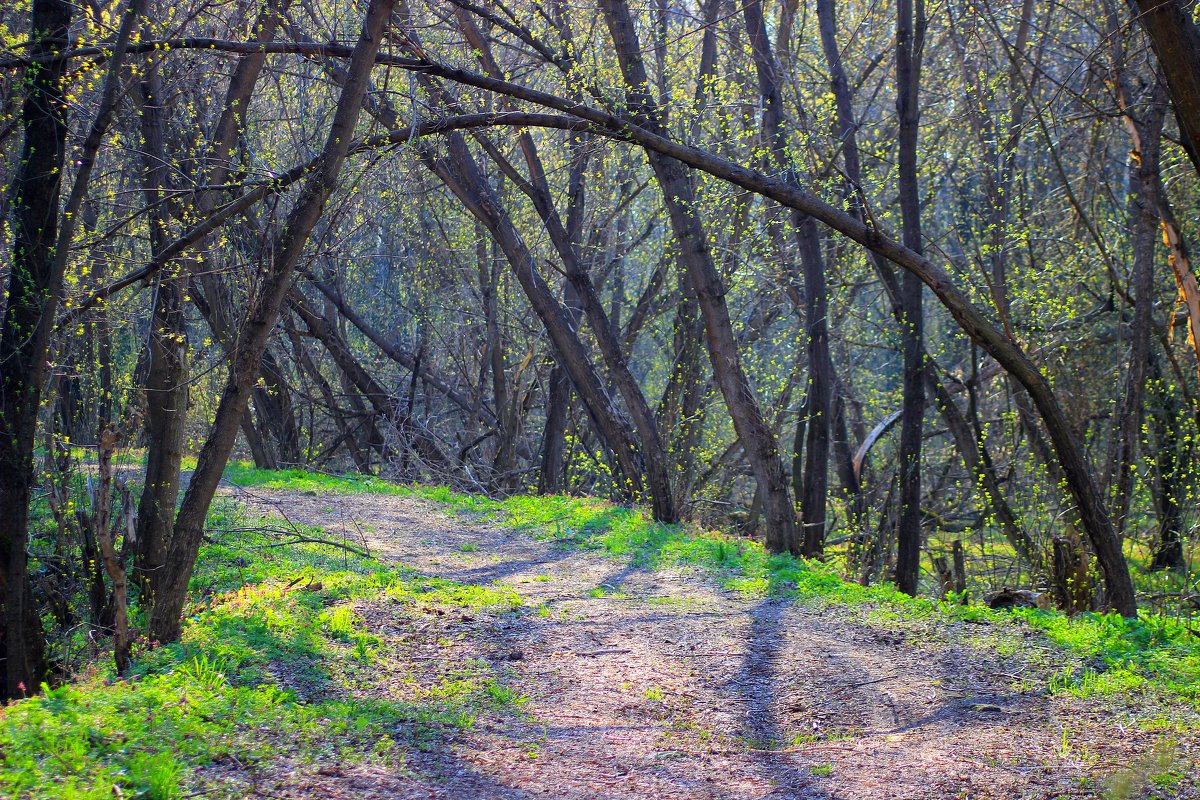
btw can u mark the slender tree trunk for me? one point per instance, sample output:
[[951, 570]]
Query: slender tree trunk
[[165, 618], [695, 255], [24, 341], [1146, 135], [494, 352], [101, 513], [166, 384], [681, 410], [552, 476], [812, 489], [910, 35]]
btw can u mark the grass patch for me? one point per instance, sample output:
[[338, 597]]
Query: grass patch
[[276, 642], [272, 652], [1125, 655]]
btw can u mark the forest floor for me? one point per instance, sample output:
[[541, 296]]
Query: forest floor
[[616, 679]]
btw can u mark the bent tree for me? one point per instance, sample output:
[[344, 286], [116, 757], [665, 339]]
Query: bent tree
[[625, 259], [286, 249]]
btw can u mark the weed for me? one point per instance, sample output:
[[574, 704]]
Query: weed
[[155, 776], [503, 696]]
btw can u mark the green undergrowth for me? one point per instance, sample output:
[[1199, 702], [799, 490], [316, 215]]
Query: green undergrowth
[[270, 666], [1154, 652]]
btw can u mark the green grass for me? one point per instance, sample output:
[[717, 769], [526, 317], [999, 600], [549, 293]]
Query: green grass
[[269, 666], [1125, 655], [276, 647]]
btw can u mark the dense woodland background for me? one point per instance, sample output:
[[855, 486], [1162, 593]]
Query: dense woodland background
[[902, 285]]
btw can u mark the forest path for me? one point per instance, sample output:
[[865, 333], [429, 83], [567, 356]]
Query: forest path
[[659, 684]]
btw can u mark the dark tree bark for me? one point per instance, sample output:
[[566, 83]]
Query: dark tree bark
[[166, 385], [1145, 128], [910, 36], [1176, 40], [24, 339], [165, 617], [812, 489], [695, 255], [552, 477], [101, 512]]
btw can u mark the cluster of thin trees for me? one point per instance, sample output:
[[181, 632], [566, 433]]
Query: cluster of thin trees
[[834, 272]]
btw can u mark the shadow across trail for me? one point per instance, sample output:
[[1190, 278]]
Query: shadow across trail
[[628, 680], [758, 683]]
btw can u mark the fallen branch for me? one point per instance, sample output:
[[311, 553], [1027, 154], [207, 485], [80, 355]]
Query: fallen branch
[[296, 539]]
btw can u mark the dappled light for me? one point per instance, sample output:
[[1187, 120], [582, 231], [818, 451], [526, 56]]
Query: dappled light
[[499, 399]]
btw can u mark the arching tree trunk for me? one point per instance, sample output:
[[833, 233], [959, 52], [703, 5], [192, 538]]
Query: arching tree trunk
[[165, 618], [695, 255]]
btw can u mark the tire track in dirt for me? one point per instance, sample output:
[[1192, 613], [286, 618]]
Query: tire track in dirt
[[659, 684]]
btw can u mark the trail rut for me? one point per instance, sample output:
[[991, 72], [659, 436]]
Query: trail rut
[[660, 684]]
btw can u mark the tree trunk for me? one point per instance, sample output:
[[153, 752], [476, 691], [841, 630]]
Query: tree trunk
[[166, 384], [1172, 29], [695, 257], [166, 615], [101, 513], [910, 35], [1146, 135], [812, 490], [24, 341]]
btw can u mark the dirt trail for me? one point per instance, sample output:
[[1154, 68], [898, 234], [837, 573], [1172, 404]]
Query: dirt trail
[[662, 685]]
